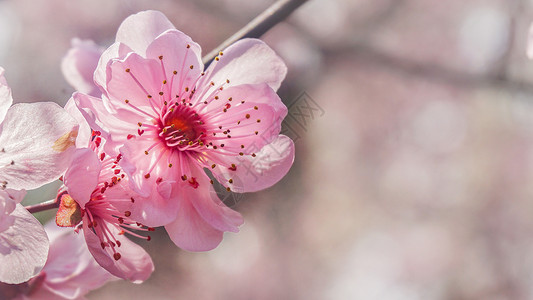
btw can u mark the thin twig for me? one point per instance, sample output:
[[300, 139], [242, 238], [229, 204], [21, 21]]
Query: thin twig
[[258, 26], [51, 204]]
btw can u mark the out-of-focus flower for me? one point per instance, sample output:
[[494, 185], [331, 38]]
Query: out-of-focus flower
[[79, 64], [70, 271], [170, 120], [95, 187], [36, 148]]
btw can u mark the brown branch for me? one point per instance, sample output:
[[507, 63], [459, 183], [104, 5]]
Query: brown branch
[[258, 26], [51, 204]]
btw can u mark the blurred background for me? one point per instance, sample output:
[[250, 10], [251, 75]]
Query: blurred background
[[413, 124]]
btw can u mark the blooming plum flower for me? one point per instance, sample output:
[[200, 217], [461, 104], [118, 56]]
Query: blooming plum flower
[[95, 190], [171, 120]]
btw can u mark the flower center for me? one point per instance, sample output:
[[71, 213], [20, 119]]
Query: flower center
[[182, 128]]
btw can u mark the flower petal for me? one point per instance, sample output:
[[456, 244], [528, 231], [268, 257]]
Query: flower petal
[[139, 30], [5, 95], [178, 53], [134, 265], [71, 271], [81, 177], [248, 61], [252, 174], [191, 232], [23, 248], [37, 141], [206, 202], [79, 64], [115, 51]]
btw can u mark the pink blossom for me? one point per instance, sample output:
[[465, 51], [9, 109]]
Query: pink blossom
[[95, 190], [170, 120], [36, 148], [79, 64], [70, 271]]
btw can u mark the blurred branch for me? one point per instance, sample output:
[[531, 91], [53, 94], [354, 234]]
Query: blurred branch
[[258, 26], [429, 71], [51, 204]]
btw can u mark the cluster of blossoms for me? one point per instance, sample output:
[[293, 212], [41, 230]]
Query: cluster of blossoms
[[138, 146]]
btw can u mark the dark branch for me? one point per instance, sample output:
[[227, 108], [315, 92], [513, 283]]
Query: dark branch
[[258, 26], [51, 204]]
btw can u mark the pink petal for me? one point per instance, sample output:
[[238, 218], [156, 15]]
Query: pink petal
[[98, 118], [139, 30], [71, 271], [156, 204], [38, 142], [84, 131], [82, 176], [134, 265], [191, 232], [23, 248], [115, 51], [206, 202], [178, 54], [5, 95], [136, 79], [79, 64], [251, 124], [248, 61], [252, 174]]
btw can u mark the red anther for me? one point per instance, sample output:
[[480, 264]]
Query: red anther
[[193, 182], [233, 167], [119, 243], [102, 156], [159, 180], [103, 245], [117, 171], [112, 244], [127, 213], [97, 141], [97, 133], [117, 256], [90, 225], [120, 220], [228, 105], [61, 178], [148, 238], [114, 179], [140, 132], [132, 200], [119, 157], [130, 136], [102, 190], [151, 229], [139, 224], [184, 177]]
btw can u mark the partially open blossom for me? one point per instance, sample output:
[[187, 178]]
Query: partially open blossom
[[79, 64], [170, 120], [70, 271], [36, 147], [95, 190]]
